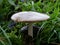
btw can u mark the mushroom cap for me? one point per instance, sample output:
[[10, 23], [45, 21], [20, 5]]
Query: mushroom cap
[[29, 16]]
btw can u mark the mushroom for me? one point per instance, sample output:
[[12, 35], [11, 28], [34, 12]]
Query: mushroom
[[29, 17], [24, 30]]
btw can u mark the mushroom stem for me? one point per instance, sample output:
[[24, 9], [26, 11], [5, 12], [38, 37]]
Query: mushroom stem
[[30, 29]]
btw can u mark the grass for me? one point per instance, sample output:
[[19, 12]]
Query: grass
[[50, 28]]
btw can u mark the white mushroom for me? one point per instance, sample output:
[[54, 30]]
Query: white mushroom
[[29, 17]]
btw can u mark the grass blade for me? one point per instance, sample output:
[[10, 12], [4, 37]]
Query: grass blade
[[6, 35]]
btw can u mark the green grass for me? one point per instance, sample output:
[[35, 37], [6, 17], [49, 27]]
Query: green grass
[[51, 27]]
